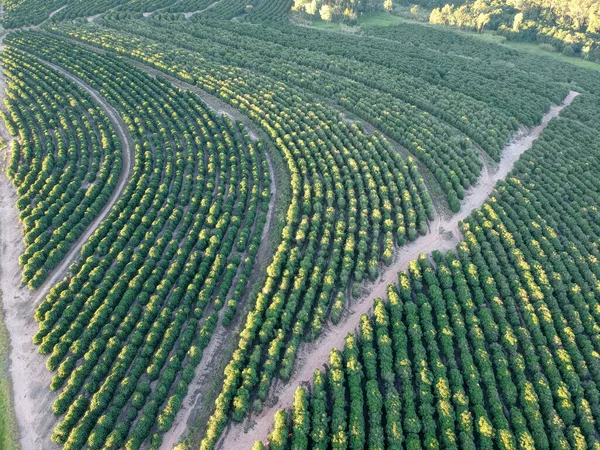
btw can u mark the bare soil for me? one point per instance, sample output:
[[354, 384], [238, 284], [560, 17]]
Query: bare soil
[[53, 13], [32, 397], [444, 235], [91, 19], [187, 15], [206, 369], [127, 157]]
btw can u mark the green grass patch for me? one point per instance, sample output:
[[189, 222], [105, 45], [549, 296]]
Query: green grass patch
[[331, 26], [367, 20], [8, 421], [534, 48], [403, 15], [379, 19]]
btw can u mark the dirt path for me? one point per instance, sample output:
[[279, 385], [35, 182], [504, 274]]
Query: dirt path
[[30, 378], [33, 399], [205, 370], [443, 235], [127, 152], [149, 13], [91, 19], [187, 15], [53, 13]]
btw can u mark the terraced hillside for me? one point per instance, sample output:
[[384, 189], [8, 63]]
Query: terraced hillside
[[210, 198], [65, 164], [492, 347]]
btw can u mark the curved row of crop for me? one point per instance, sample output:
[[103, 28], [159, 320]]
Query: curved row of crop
[[267, 50], [354, 199], [448, 155], [403, 222], [386, 98], [495, 347], [65, 162], [250, 361], [86, 8], [18, 13], [125, 332], [481, 72]]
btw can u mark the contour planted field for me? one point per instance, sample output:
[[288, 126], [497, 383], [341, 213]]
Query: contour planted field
[[440, 126], [125, 331], [65, 163], [18, 13], [495, 347], [200, 270]]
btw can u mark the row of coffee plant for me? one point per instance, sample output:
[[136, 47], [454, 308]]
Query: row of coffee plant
[[125, 331]]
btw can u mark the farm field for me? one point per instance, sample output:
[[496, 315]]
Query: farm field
[[223, 230], [465, 338]]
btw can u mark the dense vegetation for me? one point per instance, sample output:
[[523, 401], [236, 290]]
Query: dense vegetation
[[65, 163], [125, 332], [317, 253], [567, 26], [18, 13], [436, 123], [271, 335], [340, 10], [332, 235], [493, 347]]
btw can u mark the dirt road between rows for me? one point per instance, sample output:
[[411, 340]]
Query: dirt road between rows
[[206, 370], [444, 235], [127, 157], [187, 15], [30, 378], [53, 13]]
